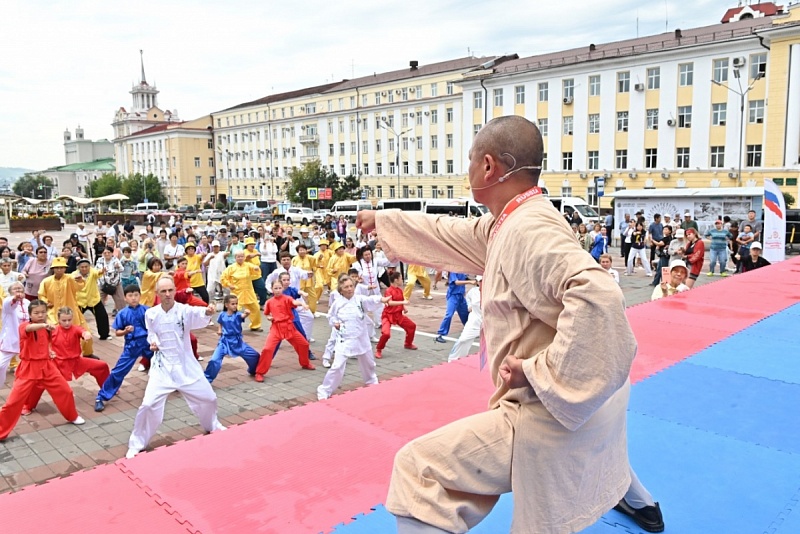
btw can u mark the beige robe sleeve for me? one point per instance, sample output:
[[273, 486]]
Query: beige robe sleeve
[[440, 241]]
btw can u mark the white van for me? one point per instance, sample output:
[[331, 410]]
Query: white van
[[567, 205], [405, 204], [458, 208], [146, 206], [249, 205], [350, 208]]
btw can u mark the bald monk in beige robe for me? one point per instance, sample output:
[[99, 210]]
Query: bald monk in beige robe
[[555, 433]]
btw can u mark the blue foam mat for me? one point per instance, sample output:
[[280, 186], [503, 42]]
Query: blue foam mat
[[705, 483], [748, 408], [753, 355], [781, 328]]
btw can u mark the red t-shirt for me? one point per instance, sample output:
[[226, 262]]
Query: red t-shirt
[[34, 353], [280, 307], [67, 342], [394, 313]]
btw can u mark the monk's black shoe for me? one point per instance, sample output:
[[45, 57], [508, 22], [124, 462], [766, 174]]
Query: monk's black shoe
[[648, 518]]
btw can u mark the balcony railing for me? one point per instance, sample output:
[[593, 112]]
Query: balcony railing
[[309, 139]]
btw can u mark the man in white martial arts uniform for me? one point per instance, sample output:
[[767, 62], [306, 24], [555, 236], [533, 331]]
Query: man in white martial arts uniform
[[173, 367], [474, 323]]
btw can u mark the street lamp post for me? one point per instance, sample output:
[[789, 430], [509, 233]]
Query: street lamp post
[[385, 125], [742, 92]]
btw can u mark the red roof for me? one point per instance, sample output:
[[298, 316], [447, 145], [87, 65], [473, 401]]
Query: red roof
[[767, 8], [156, 128]]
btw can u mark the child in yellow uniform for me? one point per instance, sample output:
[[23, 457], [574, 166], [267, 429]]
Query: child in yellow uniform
[[339, 264], [149, 279], [414, 273], [194, 269], [321, 277]]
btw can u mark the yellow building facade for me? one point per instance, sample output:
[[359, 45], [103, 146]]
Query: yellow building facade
[[399, 131], [661, 111]]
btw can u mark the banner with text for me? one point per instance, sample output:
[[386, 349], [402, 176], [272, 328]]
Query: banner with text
[[774, 223]]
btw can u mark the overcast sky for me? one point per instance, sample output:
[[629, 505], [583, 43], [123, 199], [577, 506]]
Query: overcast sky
[[68, 63]]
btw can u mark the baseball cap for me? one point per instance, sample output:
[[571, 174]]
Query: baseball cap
[[687, 214], [73, 236], [215, 243], [674, 264], [756, 244]]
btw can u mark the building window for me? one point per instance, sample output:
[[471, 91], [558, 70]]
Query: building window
[[654, 78], [211, 162], [568, 123], [543, 127], [420, 192], [450, 191], [332, 149], [720, 70], [434, 89], [212, 181], [391, 191], [379, 168], [544, 90], [621, 159], [566, 190], [379, 191], [594, 85], [434, 141], [568, 88], [419, 140], [498, 97], [392, 168], [198, 181], [405, 167], [624, 82], [352, 147], [650, 158], [377, 145], [519, 94], [434, 192], [686, 71], [684, 116], [434, 116], [758, 65], [622, 121], [434, 168], [566, 161], [449, 140], [594, 123], [366, 169], [449, 166], [593, 160], [652, 119], [719, 114], [682, 158], [364, 147], [405, 191], [754, 155], [477, 99], [449, 88], [448, 115], [718, 156], [755, 111], [419, 167], [197, 162]]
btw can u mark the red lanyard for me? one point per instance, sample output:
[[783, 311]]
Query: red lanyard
[[512, 205]]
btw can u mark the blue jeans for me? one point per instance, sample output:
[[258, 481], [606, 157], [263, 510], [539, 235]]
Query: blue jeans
[[721, 256], [455, 304]]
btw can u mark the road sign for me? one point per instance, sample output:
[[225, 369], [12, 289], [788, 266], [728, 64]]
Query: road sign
[[325, 193], [363, 194], [145, 200], [312, 193], [600, 185]]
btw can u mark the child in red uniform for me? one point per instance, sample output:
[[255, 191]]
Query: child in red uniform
[[278, 309], [394, 313], [183, 291], [66, 341], [37, 369]]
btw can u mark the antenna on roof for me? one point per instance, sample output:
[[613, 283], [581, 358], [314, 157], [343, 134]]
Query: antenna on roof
[[666, 16]]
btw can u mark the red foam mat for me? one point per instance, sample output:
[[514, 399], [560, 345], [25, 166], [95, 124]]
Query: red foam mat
[[298, 471], [103, 499]]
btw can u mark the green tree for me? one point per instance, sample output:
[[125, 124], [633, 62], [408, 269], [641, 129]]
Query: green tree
[[313, 175], [107, 184], [788, 198], [33, 186], [134, 188]]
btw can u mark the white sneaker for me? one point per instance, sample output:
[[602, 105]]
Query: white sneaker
[[311, 340], [141, 368], [199, 358], [131, 453], [374, 339], [326, 363], [428, 297], [79, 421]]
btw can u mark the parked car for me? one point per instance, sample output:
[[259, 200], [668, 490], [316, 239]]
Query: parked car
[[236, 215], [299, 215], [186, 210], [319, 215], [260, 215], [211, 215]]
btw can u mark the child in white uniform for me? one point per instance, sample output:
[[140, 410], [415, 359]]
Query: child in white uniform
[[472, 328], [15, 312], [347, 318]]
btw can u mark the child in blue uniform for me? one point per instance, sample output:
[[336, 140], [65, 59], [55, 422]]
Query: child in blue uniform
[[456, 303], [129, 322], [230, 341]]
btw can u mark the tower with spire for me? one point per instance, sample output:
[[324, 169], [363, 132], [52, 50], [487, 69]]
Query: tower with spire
[[145, 96]]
